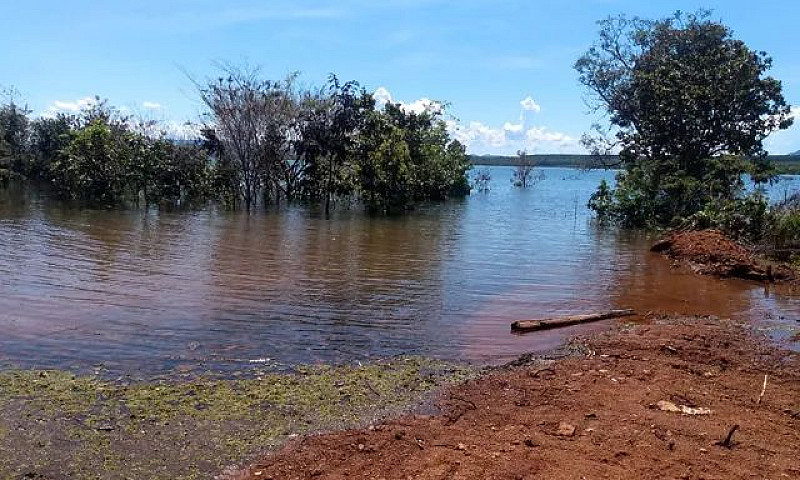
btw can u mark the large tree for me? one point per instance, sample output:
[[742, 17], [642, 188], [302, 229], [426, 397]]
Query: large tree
[[251, 122], [689, 107]]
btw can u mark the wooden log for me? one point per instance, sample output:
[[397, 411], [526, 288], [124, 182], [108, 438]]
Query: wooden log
[[548, 323]]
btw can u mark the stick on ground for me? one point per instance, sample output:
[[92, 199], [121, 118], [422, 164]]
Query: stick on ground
[[728, 441], [545, 324], [763, 391]]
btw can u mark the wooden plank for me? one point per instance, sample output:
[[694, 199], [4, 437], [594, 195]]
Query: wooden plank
[[548, 323]]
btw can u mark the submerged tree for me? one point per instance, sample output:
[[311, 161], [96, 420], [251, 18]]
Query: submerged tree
[[482, 180], [248, 122], [689, 107], [14, 130], [523, 172]]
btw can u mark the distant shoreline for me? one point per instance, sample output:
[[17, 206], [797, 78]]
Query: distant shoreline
[[784, 164]]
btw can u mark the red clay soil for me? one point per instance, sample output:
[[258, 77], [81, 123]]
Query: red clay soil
[[589, 415], [711, 252]]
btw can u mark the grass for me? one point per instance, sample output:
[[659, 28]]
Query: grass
[[55, 424]]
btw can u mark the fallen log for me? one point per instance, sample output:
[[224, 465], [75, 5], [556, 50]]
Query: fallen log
[[545, 324]]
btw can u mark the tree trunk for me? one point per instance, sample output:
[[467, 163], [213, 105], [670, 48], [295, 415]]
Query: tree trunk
[[328, 188]]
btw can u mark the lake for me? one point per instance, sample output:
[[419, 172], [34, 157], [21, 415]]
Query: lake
[[151, 293]]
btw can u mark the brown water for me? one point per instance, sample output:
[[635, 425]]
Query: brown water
[[146, 292]]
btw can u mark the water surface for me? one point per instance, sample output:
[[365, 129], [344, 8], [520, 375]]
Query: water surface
[[145, 293]]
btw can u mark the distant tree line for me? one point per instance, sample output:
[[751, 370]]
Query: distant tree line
[[260, 142]]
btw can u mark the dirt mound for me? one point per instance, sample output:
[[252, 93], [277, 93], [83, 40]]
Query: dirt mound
[[656, 401], [711, 252]]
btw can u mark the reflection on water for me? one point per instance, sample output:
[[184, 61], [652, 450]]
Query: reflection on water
[[145, 292]]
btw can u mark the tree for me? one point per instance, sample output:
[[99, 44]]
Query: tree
[[48, 137], [439, 164], [92, 166], [523, 173], [251, 122], [482, 180], [385, 167], [689, 107], [14, 132], [346, 111]]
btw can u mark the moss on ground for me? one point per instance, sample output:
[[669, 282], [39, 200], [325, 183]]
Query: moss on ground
[[54, 424]]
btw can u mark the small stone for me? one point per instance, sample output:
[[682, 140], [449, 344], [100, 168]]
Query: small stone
[[461, 446], [565, 430]]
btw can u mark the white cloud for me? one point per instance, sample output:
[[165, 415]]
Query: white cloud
[[181, 131], [382, 96], [513, 128], [151, 105], [422, 105], [529, 105], [73, 107], [480, 138]]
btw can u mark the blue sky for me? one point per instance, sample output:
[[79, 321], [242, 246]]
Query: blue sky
[[504, 66]]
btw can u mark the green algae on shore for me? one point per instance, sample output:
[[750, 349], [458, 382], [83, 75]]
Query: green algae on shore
[[56, 424]]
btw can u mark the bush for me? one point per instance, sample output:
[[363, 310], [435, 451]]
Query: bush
[[747, 218]]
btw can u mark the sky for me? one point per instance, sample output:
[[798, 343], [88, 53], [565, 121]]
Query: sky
[[504, 68]]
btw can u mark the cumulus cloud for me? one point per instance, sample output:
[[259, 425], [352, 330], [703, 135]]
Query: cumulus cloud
[[513, 128], [181, 131], [72, 106], [482, 139], [382, 96], [151, 105], [507, 139], [529, 105]]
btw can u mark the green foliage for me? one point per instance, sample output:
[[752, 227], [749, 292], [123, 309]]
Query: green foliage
[[385, 168], [264, 141], [784, 229], [407, 156], [690, 106], [48, 137], [602, 200], [92, 166], [747, 218], [328, 144], [103, 157], [13, 139]]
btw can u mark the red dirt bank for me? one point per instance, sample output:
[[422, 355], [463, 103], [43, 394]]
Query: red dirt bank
[[710, 252], [588, 416]]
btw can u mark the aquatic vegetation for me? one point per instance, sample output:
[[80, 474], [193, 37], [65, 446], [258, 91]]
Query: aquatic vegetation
[[55, 422]]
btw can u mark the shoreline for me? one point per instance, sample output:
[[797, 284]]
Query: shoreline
[[54, 424], [600, 413], [589, 405]]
